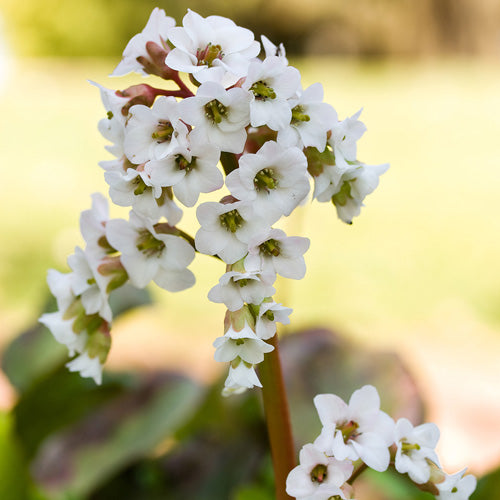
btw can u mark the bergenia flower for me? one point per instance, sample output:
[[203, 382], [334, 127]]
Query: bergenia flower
[[457, 486], [355, 430]]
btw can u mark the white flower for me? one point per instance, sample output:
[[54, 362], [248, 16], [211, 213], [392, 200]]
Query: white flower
[[87, 366], [88, 284], [190, 171], [241, 376], [274, 180], [357, 430], [226, 229], [273, 252], [151, 133], [134, 188], [92, 226], [271, 313], [243, 344], [62, 330], [212, 48], [218, 115], [235, 288], [156, 31], [318, 477], [344, 137], [355, 184], [148, 255], [272, 50], [415, 448], [311, 119], [457, 486], [271, 83]]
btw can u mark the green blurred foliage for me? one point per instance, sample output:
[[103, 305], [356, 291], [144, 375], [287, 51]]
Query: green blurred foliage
[[366, 27]]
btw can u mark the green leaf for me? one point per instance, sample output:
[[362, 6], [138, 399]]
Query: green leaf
[[488, 486]]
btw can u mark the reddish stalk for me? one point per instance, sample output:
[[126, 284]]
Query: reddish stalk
[[277, 418]]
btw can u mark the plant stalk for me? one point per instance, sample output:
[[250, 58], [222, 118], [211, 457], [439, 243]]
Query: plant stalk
[[277, 418]]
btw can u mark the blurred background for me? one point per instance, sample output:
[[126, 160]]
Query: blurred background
[[417, 274]]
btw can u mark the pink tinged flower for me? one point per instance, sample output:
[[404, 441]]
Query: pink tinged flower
[[271, 313], [235, 288], [273, 252], [219, 116], [457, 486], [274, 180], [311, 120], [156, 31], [190, 171], [415, 449], [134, 188], [226, 229], [317, 477], [148, 255], [243, 344], [152, 133], [271, 83], [358, 430], [355, 184], [211, 49], [87, 367]]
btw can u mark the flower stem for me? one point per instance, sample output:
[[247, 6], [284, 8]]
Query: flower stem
[[277, 418]]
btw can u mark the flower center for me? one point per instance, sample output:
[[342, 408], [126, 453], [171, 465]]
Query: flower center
[[184, 164], [149, 245], [343, 195], [265, 180], [140, 185], [408, 447], [215, 111], [164, 131], [270, 247], [209, 54], [319, 473], [82, 321], [262, 91], [349, 430], [298, 115], [231, 221]]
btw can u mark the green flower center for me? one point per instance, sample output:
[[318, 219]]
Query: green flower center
[[262, 91], [163, 132], [231, 221], [215, 111], [342, 197], [184, 164], [149, 245], [265, 180], [349, 430], [209, 54], [140, 185], [319, 473], [298, 115], [407, 447], [270, 247]]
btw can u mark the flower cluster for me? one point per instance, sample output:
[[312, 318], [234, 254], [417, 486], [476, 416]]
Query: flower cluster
[[238, 120], [359, 435]]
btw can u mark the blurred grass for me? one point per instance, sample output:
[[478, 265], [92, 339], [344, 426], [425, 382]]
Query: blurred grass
[[429, 235]]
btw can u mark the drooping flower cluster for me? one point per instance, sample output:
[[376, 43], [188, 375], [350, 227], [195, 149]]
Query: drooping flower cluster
[[238, 120], [359, 435]]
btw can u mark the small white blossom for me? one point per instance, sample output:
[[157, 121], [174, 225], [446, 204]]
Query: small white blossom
[[148, 255], [62, 330], [241, 376], [152, 133], [311, 120], [457, 486], [271, 83], [273, 252], [274, 180], [211, 49], [355, 430], [235, 288], [271, 313], [415, 448], [317, 477], [156, 30], [87, 367], [219, 116], [226, 229], [272, 50], [190, 171]]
